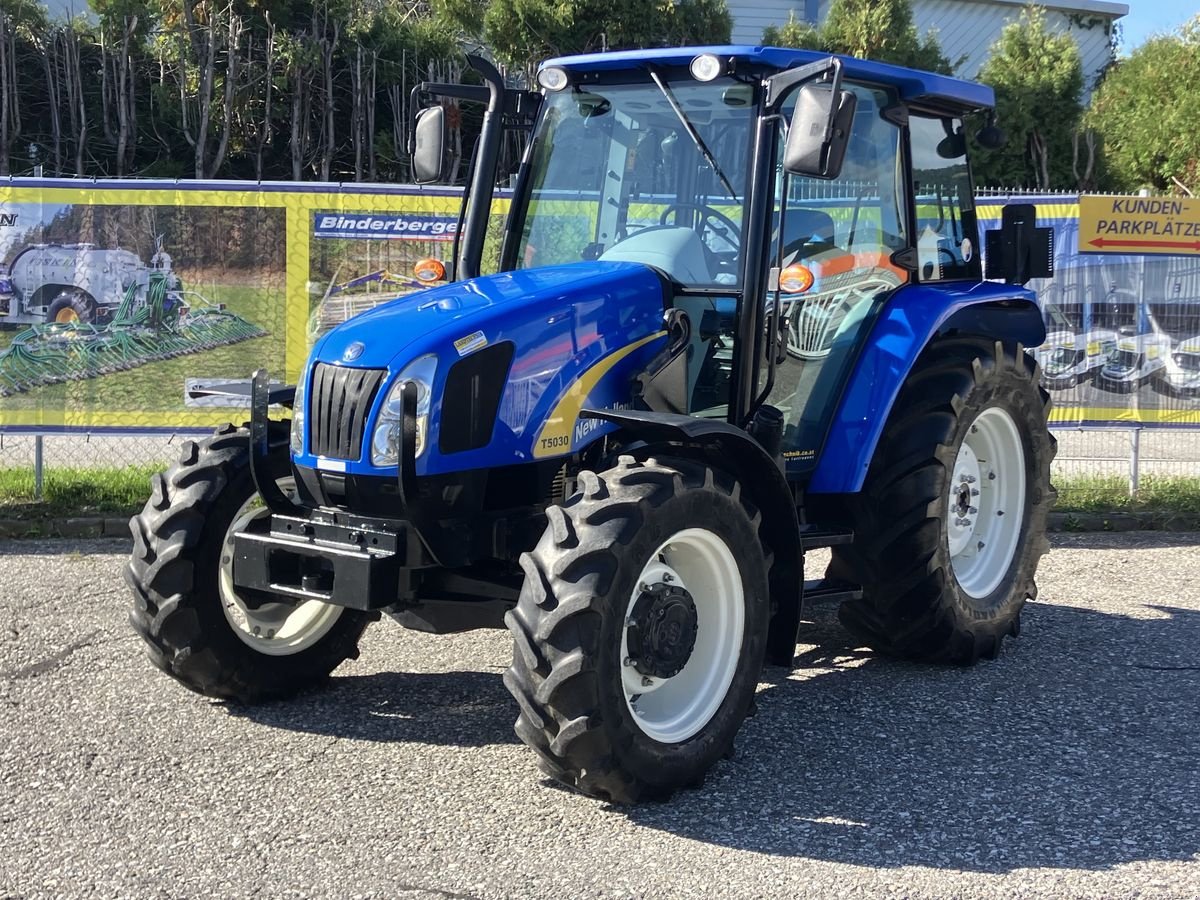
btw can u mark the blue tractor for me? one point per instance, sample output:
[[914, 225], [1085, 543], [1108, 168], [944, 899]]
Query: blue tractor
[[740, 313]]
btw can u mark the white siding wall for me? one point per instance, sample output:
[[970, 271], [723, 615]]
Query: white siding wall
[[750, 17], [966, 28]]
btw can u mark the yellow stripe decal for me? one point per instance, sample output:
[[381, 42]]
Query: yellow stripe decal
[[1070, 415], [555, 436]]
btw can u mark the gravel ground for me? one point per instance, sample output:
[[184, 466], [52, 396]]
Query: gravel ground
[[1067, 767]]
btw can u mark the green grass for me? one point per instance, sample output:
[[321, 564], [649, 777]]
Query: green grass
[[79, 492], [1169, 495], [71, 493], [158, 386]]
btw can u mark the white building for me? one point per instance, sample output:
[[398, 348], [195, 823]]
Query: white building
[[965, 28]]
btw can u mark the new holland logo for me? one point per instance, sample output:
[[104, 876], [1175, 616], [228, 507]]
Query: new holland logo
[[354, 351], [8, 220]]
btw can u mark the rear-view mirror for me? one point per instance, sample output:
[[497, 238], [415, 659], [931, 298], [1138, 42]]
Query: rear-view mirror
[[429, 146], [819, 111]]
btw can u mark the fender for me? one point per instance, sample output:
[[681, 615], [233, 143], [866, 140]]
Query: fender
[[754, 468], [912, 318]]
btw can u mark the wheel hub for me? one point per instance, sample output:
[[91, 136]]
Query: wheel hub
[[662, 632], [963, 513]]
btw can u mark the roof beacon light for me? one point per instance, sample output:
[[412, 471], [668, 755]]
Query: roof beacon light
[[553, 78], [707, 66]]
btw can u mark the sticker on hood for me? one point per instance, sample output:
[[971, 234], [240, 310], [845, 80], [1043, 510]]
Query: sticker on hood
[[470, 343]]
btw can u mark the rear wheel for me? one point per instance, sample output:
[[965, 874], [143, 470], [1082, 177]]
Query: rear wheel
[[71, 306], [951, 521], [640, 630], [198, 627]]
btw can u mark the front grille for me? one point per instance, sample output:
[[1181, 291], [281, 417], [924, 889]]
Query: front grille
[[338, 404]]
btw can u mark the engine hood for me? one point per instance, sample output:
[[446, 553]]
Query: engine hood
[[395, 332], [541, 344]]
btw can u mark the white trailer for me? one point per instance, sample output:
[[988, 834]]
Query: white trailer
[[74, 283]]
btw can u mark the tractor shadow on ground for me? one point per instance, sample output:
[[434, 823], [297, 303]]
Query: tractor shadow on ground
[[461, 709], [1078, 748]]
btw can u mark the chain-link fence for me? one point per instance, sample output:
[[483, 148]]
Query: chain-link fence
[[1085, 456]]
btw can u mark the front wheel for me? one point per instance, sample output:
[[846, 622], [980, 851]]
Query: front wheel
[[951, 521], [640, 630], [197, 626]]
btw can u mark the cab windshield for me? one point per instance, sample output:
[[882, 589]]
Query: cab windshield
[[646, 172]]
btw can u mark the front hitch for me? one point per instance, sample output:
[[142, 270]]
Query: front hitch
[[260, 449]]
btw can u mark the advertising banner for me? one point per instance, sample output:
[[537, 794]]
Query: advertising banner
[[1122, 317], [116, 298]]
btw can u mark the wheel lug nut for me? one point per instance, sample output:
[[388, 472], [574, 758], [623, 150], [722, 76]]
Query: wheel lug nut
[[972, 510], [667, 577], [646, 682], [974, 492], [629, 660], [970, 479]]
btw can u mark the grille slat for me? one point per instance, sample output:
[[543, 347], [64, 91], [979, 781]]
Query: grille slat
[[341, 399]]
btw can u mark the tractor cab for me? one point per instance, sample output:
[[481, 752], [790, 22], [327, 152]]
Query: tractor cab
[[782, 197]]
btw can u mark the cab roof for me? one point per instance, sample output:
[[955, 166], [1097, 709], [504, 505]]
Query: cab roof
[[913, 86]]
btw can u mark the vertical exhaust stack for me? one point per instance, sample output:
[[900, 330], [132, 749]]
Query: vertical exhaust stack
[[483, 173]]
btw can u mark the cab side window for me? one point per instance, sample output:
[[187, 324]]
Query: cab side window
[[947, 236], [833, 246]]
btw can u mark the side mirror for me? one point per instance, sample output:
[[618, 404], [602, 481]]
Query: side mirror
[[429, 146], [819, 132]]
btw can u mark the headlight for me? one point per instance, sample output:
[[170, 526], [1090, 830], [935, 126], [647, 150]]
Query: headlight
[[299, 405], [385, 442]]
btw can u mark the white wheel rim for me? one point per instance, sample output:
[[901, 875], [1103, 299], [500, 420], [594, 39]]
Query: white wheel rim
[[671, 710], [273, 629], [986, 503]]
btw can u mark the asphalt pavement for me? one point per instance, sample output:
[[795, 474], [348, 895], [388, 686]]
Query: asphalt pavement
[[1070, 766]]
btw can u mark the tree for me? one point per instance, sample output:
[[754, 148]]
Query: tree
[[1037, 75], [881, 30], [524, 32], [1146, 111]]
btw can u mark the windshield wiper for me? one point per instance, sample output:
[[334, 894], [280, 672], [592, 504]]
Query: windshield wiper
[[693, 133]]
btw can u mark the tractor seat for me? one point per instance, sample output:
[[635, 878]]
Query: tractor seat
[[806, 232]]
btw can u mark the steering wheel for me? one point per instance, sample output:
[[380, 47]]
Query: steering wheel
[[705, 213], [701, 218]]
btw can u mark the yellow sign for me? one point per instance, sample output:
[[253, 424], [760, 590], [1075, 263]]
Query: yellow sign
[[1168, 225], [116, 301]]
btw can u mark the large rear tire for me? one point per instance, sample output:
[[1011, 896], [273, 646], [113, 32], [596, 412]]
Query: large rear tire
[[951, 521], [198, 629], [72, 306], [640, 630]]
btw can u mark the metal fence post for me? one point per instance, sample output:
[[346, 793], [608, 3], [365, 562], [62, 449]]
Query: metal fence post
[[1135, 446], [38, 470]]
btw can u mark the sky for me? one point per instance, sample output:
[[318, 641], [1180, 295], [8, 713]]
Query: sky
[[1147, 17]]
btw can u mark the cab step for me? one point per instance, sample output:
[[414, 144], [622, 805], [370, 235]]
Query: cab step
[[814, 537], [822, 590]]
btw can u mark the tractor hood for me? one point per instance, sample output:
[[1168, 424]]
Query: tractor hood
[[447, 318], [509, 359]]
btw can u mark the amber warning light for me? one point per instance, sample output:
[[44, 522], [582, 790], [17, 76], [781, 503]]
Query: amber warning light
[[429, 270]]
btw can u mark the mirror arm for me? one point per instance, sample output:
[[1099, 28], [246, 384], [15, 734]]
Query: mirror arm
[[474, 93], [780, 85]]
